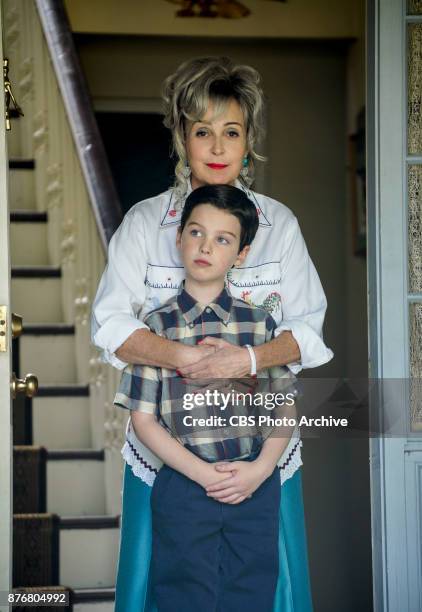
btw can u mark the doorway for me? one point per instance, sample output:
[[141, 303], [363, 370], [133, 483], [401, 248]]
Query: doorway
[[309, 121], [138, 148]]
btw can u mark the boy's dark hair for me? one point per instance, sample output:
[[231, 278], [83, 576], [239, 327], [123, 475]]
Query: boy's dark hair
[[230, 199]]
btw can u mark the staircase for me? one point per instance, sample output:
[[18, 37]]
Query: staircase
[[66, 464], [58, 472]]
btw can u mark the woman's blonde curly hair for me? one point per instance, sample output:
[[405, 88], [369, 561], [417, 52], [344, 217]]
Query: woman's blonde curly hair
[[187, 93]]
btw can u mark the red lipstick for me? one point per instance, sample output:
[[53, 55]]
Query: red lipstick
[[217, 166]]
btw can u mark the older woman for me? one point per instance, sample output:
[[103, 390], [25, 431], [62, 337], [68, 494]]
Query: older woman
[[214, 110]]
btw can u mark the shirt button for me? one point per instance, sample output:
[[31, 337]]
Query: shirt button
[[208, 310], [191, 325]]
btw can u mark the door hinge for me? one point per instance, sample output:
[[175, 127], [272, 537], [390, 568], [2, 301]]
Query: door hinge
[[3, 323], [8, 95]]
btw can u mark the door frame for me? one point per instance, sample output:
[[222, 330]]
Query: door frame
[[387, 301], [388, 306]]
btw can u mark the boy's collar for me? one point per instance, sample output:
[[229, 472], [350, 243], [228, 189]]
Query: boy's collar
[[172, 215], [191, 309]]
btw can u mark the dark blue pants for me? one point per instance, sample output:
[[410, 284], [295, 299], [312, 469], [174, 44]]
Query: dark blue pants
[[209, 556]]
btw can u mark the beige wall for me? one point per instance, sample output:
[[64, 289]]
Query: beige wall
[[313, 89], [295, 19]]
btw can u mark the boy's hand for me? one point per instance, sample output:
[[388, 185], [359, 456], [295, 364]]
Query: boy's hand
[[208, 476], [246, 477]]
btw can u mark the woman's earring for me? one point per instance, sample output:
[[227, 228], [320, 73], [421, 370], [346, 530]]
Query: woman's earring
[[245, 164], [186, 170]]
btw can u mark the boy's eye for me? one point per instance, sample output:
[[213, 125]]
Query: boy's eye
[[222, 240], [195, 232]]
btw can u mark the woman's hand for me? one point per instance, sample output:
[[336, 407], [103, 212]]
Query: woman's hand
[[246, 477], [227, 361], [189, 355]]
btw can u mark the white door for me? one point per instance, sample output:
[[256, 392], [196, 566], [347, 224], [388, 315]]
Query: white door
[[394, 103], [5, 363], [6, 374]]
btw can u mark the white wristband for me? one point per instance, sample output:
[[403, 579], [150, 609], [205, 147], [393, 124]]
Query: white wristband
[[253, 359]]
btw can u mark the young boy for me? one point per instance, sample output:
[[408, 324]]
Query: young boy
[[215, 534]]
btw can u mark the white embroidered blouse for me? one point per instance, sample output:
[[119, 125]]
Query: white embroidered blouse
[[144, 269]]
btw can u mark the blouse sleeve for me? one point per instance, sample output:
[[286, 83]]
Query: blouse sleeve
[[303, 301], [121, 292]]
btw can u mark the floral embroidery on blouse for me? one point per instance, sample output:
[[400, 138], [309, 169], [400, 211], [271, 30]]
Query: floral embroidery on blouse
[[271, 303]]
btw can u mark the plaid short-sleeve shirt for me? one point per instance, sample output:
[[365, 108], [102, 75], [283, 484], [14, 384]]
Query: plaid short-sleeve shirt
[[161, 392]]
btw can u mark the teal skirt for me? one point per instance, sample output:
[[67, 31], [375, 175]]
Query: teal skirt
[[133, 589]]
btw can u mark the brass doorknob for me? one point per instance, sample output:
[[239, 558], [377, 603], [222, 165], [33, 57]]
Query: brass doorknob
[[28, 386], [17, 326]]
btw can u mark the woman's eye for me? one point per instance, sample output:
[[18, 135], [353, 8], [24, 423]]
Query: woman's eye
[[201, 133], [233, 133]]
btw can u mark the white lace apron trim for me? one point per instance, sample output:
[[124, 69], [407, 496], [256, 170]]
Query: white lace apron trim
[[145, 464]]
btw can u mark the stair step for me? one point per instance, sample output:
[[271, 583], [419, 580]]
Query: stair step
[[101, 606], [49, 329], [86, 454], [79, 552], [89, 523], [88, 551], [75, 390], [28, 240], [37, 298], [35, 549], [22, 188], [22, 416], [87, 600], [21, 164], [56, 345], [59, 420], [28, 216], [75, 482], [37, 471], [36, 272], [29, 479]]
